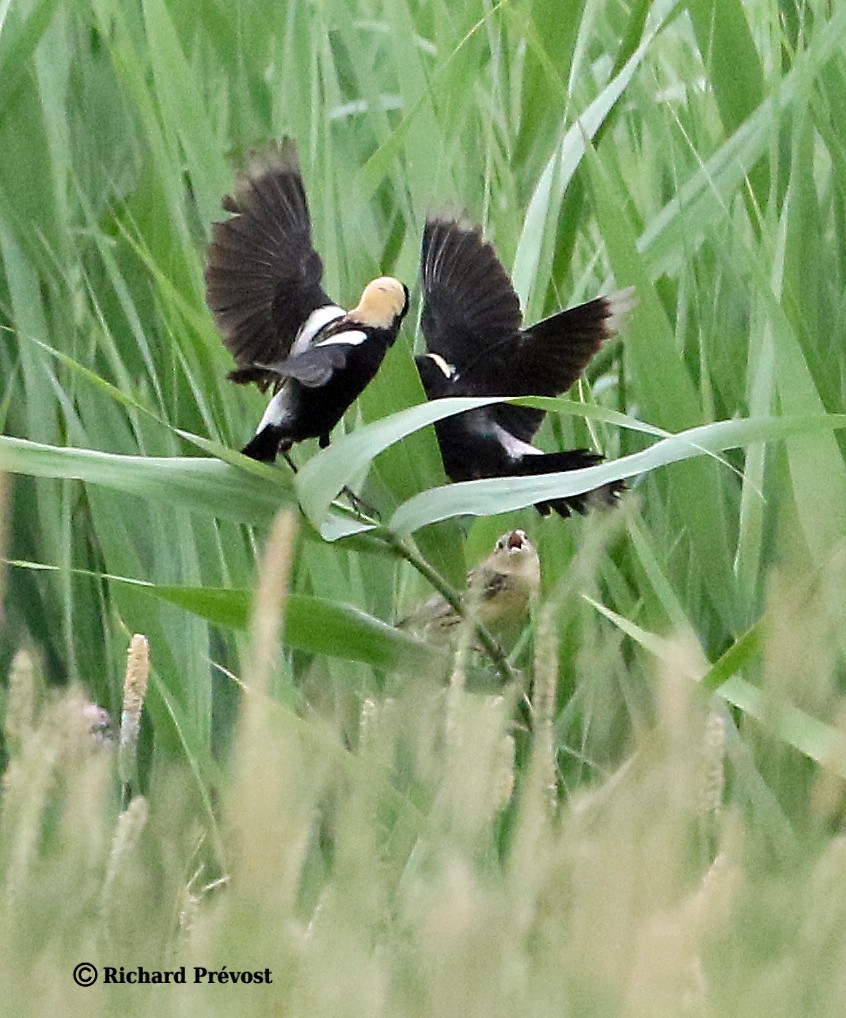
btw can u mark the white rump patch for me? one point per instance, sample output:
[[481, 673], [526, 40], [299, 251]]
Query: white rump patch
[[514, 446], [277, 409]]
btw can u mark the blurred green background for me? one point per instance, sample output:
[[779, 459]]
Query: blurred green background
[[695, 150]]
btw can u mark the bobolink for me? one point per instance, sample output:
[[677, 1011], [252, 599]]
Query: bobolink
[[476, 346], [263, 284], [499, 592]]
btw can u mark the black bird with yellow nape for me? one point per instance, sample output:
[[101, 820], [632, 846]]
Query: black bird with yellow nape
[[263, 285], [476, 346]]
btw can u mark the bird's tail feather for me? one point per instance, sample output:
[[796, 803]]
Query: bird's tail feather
[[571, 459], [265, 444]]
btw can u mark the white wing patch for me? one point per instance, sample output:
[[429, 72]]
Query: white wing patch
[[350, 337], [317, 320]]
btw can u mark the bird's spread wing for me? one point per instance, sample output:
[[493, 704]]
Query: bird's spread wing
[[550, 356], [263, 274], [469, 304]]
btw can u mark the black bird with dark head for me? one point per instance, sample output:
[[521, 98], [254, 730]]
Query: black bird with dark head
[[263, 285], [476, 346]]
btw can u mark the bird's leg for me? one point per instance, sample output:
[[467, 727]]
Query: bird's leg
[[285, 451], [359, 505]]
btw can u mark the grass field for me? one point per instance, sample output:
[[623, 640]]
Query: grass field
[[306, 796]]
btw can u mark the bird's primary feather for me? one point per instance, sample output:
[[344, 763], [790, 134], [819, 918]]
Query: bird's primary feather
[[469, 303], [263, 276]]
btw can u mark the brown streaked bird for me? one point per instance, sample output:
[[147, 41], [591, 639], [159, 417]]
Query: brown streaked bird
[[500, 591], [263, 285], [476, 346]]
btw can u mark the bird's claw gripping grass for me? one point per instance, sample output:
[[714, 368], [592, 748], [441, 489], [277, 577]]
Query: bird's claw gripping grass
[[364, 509]]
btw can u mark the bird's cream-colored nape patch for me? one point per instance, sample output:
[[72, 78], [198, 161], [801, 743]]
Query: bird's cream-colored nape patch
[[382, 302]]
